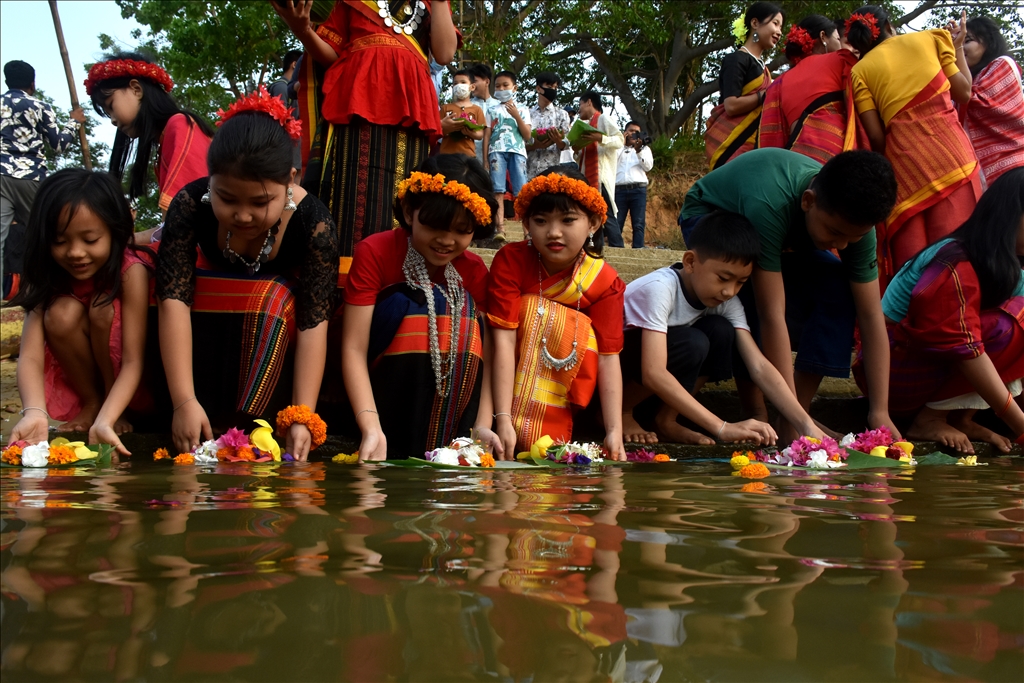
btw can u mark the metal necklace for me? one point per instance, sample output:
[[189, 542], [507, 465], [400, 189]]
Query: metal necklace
[[253, 267], [416, 9], [546, 358], [415, 270]]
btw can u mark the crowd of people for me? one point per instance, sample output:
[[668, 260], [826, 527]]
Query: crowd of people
[[870, 202]]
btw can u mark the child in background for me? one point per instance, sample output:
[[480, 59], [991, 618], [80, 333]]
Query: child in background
[[458, 138], [683, 325], [505, 148], [86, 300], [955, 317], [555, 307], [413, 370], [134, 94]]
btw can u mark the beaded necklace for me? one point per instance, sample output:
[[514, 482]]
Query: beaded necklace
[[253, 267], [546, 358], [414, 12]]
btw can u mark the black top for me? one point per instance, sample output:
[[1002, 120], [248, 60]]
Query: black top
[[308, 252], [738, 69]]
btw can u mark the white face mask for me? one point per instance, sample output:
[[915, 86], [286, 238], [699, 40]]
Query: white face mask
[[460, 91], [503, 95]]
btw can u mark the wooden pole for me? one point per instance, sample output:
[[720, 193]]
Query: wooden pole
[[71, 82]]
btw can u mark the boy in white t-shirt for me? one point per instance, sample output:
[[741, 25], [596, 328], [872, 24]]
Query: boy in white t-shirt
[[683, 325]]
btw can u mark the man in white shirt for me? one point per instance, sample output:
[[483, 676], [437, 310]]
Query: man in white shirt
[[635, 160], [597, 154]]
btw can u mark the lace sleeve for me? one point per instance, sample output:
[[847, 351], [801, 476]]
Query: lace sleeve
[[318, 274], [175, 270]]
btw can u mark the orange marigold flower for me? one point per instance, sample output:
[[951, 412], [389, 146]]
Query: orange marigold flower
[[754, 487], [555, 183], [184, 459], [424, 182], [486, 460], [754, 470], [161, 454], [244, 453], [301, 414], [61, 455], [225, 453], [661, 457], [12, 456]]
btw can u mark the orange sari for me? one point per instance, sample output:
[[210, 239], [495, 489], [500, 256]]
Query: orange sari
[[726, 137]]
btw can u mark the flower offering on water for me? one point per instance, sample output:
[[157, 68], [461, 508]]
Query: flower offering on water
[[574, 453], [754, 470], [807, 452], [464, 452], [233, 446], [60, 451]]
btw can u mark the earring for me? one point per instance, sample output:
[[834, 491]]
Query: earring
[[757, 38], [529, 240], [290, 204], [205, 199], [590, 240]]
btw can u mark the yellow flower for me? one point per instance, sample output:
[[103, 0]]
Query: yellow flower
[[486, 460], [82, 452], [738, 462], [739, 29], [969, 461], [346, 459], [879, 451], [813, 440], [904, 446], [540, 447], [263, 439], [753, 471]]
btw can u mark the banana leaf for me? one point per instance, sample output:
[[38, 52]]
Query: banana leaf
[[420, 462], [320, 10], [579, 128], [104, 458], [471, 125]]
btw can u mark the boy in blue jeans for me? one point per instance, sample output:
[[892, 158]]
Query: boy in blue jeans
[[505, 146]]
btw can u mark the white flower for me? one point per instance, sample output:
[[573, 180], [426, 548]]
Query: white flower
[[847, 440], [818, 458], [206, 454], [36, 456], [444, 456]]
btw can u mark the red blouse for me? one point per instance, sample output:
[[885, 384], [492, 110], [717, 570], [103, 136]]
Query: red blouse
[[377, 264], [183, 148]]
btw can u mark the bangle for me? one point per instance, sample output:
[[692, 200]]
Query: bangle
[[495, 416], [183, 403], [1006, 406], [301, 414], [41, 410], [367, 410], [720, 430]]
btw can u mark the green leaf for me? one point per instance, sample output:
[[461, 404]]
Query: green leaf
[[936, 459], [863, 461], [579, 128]]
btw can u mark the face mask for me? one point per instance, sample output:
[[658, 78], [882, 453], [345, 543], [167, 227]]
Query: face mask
[[503, 95], [550, 93], [460, 91]]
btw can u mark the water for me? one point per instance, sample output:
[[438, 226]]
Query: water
[[648, 572]]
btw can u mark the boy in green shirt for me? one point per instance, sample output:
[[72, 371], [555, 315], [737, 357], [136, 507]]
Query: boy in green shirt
[[801, 290]]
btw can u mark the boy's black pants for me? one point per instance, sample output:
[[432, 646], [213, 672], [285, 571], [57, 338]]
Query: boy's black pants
[[704, 348]]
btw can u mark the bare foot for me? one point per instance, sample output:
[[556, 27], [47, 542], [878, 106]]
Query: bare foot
[[632, 432], [81, 422], [670, 431], [122, 426], [931, 425], [963, 421]]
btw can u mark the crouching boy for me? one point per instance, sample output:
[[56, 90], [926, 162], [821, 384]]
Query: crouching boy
[[684, 325]]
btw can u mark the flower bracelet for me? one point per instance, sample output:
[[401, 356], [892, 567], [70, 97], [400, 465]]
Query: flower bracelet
[[303, 415]]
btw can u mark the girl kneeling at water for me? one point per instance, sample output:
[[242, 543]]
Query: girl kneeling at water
[[86, 299], [955, 315], [555, 309], [412, 350], [263, 285]]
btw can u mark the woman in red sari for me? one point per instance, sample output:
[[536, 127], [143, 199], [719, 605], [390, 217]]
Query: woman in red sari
[[903, 88], [809, 108], [742, 83], [379, 110], [994, 118]]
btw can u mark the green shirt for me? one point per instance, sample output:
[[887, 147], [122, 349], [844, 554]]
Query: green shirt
[[766, 185]]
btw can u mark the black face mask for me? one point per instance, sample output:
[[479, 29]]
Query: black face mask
[[550, 93]]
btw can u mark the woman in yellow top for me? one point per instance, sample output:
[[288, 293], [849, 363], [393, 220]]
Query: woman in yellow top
[[902, 89]]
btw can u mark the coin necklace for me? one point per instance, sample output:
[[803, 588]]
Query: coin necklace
[[415, 270], [546, 358], [416, 9], [253, 267]]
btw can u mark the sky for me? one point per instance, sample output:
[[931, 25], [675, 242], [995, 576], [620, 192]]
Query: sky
[[27, 33]]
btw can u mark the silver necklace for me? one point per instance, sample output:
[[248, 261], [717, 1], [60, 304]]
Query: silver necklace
[[414, 16], [415, 270], [253, 267], [758, 59], [546, 358]]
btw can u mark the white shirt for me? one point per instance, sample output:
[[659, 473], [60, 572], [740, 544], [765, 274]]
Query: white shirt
[[656, 302], [632, 166]]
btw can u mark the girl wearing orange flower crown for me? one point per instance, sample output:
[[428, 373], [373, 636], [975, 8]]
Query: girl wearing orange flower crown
[[134, 93], [555, 307], [245, 284], [413, 370]]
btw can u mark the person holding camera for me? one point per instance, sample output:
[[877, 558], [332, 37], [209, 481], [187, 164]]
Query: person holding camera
[[635, 160]]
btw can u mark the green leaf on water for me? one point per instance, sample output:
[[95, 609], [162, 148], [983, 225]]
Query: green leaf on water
[[936, 458], [863, 461]]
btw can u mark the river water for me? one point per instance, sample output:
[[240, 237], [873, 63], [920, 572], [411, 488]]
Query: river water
[[659, 572]]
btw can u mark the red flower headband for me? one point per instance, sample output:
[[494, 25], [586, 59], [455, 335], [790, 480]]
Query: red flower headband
[[868, 20], [117, 68], [263, 101], [799, 36]]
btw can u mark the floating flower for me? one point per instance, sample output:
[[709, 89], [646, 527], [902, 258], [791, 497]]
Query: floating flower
[[161, 454], [35, 455], [184, 459], [754, 487], [225, 453], [206, 454], [661, 457], [968, 461], [244, 454], [443, 456], [866, 441], [346, 459], [12, 455], [753, 471], [61, 455], [263, 439], [739, 460], [486, 460], [233, 438], [640, 455]]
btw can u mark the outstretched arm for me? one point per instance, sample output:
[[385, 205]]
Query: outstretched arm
[[355, 341], [874, 338], [502, 379], [984, 377], [310, 358], [295, 13], [609, 387], [33, 426], [770, 381]]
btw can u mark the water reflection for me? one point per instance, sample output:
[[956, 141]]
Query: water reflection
[[681, 572]]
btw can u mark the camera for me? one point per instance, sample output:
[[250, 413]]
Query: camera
[[642, 137]]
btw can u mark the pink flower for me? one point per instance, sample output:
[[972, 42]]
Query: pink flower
[[640, 455], [233, 438], [871, 438]]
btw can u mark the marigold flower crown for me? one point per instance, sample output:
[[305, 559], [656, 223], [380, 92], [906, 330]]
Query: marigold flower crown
[[799, 36], [262, 101], [419, 182], [556, 183], [118, 68], [868, 20]]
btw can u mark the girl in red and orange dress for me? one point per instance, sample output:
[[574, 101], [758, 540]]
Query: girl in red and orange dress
[[903, 88], [555, 308], [994, 117], [809, 109], [380, 113]]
